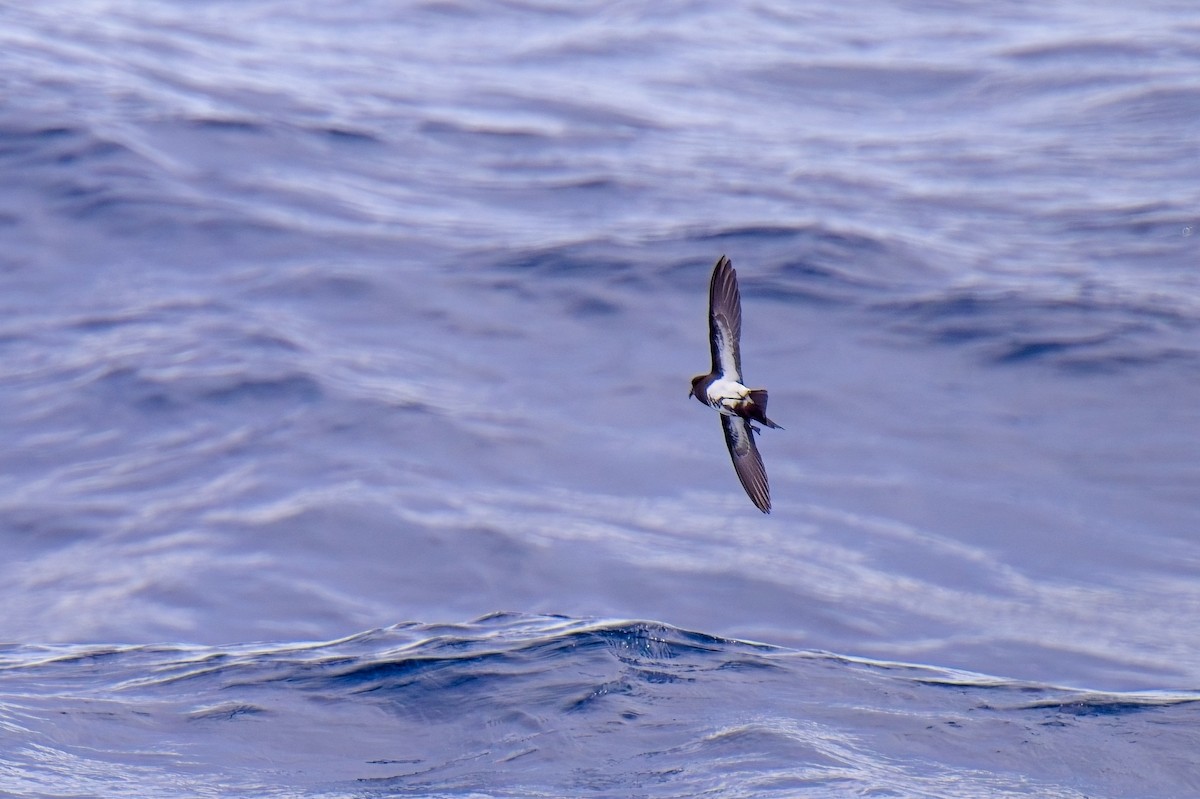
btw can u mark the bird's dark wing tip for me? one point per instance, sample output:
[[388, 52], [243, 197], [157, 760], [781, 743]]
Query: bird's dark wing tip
[[747, 461]]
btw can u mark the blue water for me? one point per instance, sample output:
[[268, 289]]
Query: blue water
[[344, 356], [531, 706]]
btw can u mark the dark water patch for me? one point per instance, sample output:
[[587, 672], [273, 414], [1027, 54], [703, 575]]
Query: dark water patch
[[816, 264], [164, 312], [594, 306], [1165, 220], [1029, 350], [130, 387], [1115, 704], [1082, 52], [1153, 243], [659, 641], [324, 282], [1092, 331], [18, 141], [595, 697], [58, 148], [805, 264], [415, 671], [571, 261], [229, 125], [889, 82], [1152, 112], [291, 388], [584, 185], [349, 136], [821, 243], [515, 135], [757, 233], [584, 118], [226, 712], [142, 391], [216, 239], [124, 214]]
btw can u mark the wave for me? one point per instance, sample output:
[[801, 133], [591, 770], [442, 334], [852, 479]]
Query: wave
[[512, 704]]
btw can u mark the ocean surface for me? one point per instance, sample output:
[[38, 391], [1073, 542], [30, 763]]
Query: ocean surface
[[347, 452]]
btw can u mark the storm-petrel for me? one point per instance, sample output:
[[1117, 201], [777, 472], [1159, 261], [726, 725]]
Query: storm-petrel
[[722, 388]]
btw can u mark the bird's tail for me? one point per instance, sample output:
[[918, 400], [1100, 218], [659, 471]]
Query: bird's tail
[[758, 408]]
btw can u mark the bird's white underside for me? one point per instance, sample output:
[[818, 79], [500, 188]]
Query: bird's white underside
[[725, 394]]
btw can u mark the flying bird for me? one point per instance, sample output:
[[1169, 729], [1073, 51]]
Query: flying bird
[[722, 388]]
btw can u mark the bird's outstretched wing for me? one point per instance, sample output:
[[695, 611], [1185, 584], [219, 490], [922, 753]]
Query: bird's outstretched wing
[[746, 460], [725, 320]]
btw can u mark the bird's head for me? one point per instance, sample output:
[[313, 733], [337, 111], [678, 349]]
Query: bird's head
[[696, 391]]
